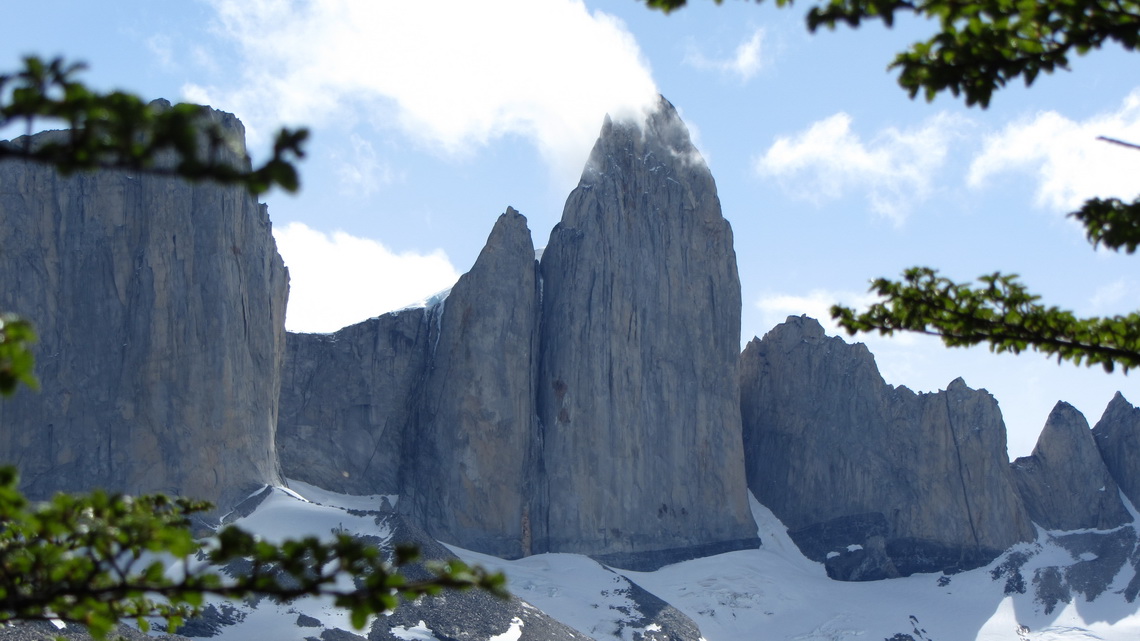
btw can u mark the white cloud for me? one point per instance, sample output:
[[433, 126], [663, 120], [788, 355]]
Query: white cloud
[[1071, 165], [745, 62], [338, 279], [363, 173], [451, 73], [775, 308], [1110, 297], [162, 48], [895, 169]]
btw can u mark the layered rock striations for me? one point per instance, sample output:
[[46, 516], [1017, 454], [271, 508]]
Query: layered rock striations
[[1064, 484], [637, 388], [1117, 435], [159, 307], [872, 480]]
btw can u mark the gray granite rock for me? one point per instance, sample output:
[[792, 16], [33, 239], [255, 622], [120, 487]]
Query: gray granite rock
[[1064, 483], [348, 401], [458, 616], [637, 389], [874, 481], [474, 472], [1117, 435], [160, 310]]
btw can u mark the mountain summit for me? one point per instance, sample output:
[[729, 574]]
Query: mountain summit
[[598, 414], [637, 387]]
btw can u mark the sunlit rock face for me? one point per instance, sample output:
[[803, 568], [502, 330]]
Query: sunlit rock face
[[589, 405], [1064, 483], [160, 308], [874, 481], [637, 388], [474, 446], [1117, 435]]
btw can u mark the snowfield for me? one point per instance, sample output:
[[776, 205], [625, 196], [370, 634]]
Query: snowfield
[[773, 592]]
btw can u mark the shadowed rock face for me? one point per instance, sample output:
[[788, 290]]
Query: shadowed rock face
[[347, 402], [1064, 483], [637, 389], [475, 442], [1117, 435], [160, 309], [873, 480]]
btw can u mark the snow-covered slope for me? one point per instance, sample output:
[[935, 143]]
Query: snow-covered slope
[[1037, 591]]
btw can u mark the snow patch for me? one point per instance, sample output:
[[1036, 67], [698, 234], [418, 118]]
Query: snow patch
[[418, 632], [513, 633]]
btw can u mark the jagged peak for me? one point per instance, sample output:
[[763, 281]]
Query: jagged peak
[[1065, 429], [658, 137]]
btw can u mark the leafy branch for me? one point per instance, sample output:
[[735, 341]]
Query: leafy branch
[[98, 558], [16, 360], [981, 45], [119, 130], [1001, 313]]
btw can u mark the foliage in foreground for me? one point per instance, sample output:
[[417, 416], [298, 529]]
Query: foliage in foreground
[[118, 130], [977, 48], [99, 558]]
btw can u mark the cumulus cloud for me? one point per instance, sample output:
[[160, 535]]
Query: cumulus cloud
[[894, 169], [1071, 165], [776, 307], [745, 62], [338, 279], [452, 73]]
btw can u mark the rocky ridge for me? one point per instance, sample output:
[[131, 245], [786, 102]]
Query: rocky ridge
[[586, 403], [872, 480]]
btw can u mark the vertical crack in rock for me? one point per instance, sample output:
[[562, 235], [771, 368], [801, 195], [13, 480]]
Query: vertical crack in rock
[[961, 470]]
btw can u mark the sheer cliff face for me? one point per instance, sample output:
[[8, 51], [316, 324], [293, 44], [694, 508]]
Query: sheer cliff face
[[347, 401], [911, 482], [475, 442], [434, 404], [1064, 483], [594, 410], [637, 390], [160, 311], [1117, 435]]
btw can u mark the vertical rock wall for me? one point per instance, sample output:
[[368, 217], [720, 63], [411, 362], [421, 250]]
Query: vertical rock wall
[[348, 400], [474, 478], [160, 311], [875, 481], [637, 389], [590, 407]]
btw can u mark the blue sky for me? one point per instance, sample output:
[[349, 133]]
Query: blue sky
[[430, 118]]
